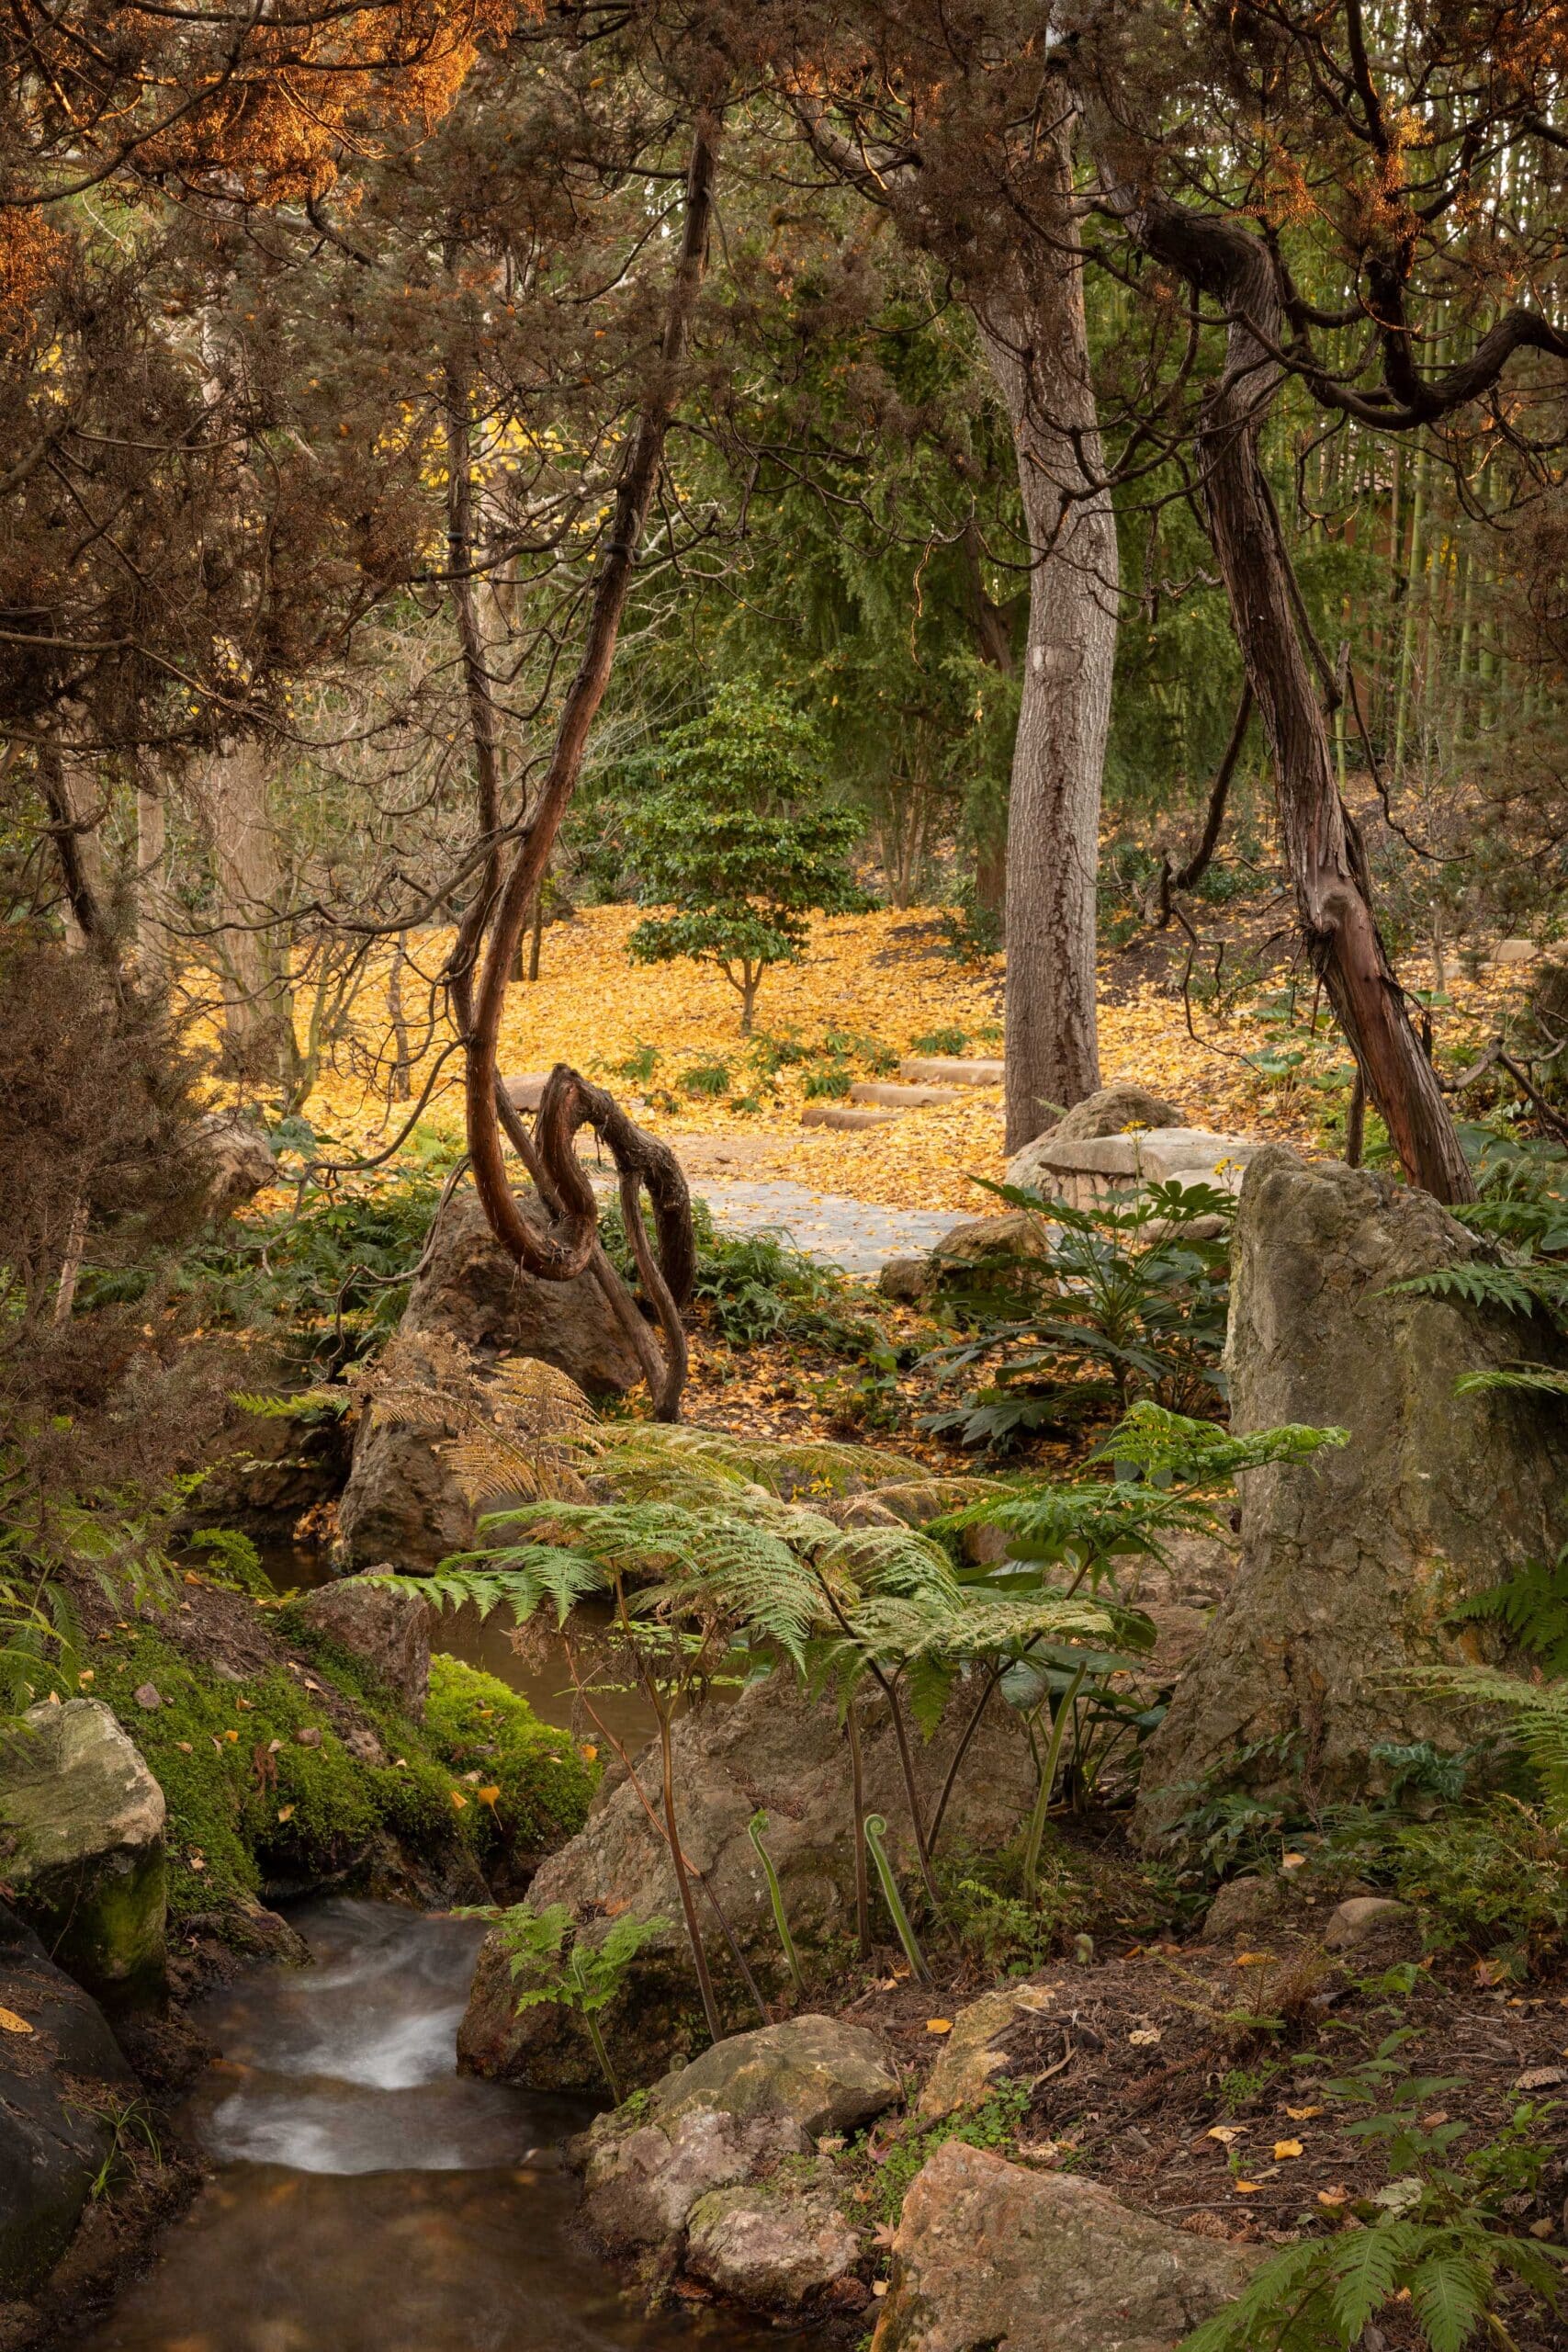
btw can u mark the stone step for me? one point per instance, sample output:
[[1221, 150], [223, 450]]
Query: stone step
[[1083, 1173], [526, 1091], [900, 1098], [845, 1115], [949, 1069]]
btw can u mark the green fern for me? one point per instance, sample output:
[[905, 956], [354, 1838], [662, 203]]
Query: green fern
[[1525, 1286], [294, 1405], [1538, 1713], [1530, 1379], [1532, 1606]]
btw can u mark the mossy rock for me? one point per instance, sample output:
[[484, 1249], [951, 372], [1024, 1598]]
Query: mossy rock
[[305, 1771]]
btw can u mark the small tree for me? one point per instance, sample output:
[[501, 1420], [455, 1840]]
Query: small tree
[[738, 838]]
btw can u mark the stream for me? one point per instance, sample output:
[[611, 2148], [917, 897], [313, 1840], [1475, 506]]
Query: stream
[[368, 2197]]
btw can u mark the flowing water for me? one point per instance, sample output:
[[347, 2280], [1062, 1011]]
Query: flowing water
[[369, 2198]]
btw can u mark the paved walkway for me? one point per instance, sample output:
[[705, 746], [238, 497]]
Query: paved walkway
[[858, 1236]]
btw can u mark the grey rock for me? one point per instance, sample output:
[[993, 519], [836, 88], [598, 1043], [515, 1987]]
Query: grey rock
[[242, 1159], [640, 2184], [1241, 1907], [82, 1845], [744, 2104], [900, 1098], [770, 2246], [950, 1069], [53, 2143], [773, 1749], [1351, 1562], [904, 1280], [401, 1503], [390, 1630], [847, 1116], [1362, 1916], [989, 2254], [1083, 1170], [823, 2074]]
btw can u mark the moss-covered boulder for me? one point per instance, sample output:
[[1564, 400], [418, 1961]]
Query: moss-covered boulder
[[82, 1845], [286, 1764]]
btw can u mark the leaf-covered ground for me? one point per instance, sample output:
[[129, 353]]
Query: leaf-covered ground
[[871, 987]]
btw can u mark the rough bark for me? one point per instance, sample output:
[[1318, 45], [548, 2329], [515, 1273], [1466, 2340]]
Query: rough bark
[[153, 943], [1035, 338], [485, 954], [257, 1011]]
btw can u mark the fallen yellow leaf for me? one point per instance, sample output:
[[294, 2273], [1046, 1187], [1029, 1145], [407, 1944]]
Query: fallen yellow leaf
[[1253, 1959], [1337, 2196], [286, 1812], [588, 1752], [487, 1796], [11, 2023], [938, 2025], [1143, 2037], [1246, 2188], [458, 1799], [1283, 2148], [1227, 2133], [231, 1736], [86, 1676], [1303, 2114]]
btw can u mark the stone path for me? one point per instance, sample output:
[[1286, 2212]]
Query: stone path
[[859, 1236]]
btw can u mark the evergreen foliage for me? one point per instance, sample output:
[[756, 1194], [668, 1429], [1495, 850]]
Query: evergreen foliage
[[735, 835]]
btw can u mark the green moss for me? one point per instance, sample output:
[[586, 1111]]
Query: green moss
[[248, 1802], [476, 1725]]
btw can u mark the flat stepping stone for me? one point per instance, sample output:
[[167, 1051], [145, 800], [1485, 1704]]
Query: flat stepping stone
[[949, 1069], [844, 1114], [1082, 1173], [900, 1098], [1515, 951], [858, 1236], [526, 1092]]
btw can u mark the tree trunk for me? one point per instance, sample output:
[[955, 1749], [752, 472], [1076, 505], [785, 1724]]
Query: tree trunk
[[1035, 338], [1223, 260], [257, 1011], [153, 946], [74, 798]]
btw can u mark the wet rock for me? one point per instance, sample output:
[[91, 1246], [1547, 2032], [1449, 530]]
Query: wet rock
[[1365, 1915], [52, 2140], [771, 1749], [641, 2183], [744, 2104], [1351, 1562], [401, 1503], [390, 1630], [989, 2254], [242, 1159], [975, 2055], [771, 2246], [82, 1844]]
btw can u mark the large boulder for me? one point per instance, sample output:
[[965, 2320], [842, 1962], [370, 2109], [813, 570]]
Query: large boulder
[[773, 1750], [58, 2066], [402, 1503], [738, 2109], [390, 1630], [82, 1845], [1351, 1563], [989, 2254]]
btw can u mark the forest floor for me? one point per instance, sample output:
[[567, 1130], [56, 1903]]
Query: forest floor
[[1245, 1056]]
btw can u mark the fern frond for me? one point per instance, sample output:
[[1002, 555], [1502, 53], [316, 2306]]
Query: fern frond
[[1539, 1712], [1532, 1607], [1523, 1286], [785, 1467], [489, 1464], [288, 1406], [522, 1577], [1203, 1454], [1532, 1379]]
